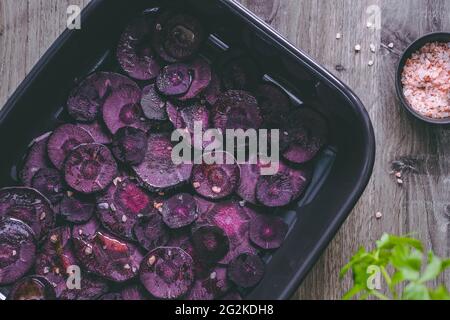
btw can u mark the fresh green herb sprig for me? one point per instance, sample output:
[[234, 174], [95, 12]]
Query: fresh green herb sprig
[[404, 267]]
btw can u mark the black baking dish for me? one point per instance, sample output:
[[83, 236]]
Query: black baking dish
[[341, 172]]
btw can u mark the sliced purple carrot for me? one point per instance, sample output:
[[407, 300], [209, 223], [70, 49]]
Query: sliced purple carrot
[[282, 188], [130, 145], [214, 89], [91, 288], [236, 110], [179, 211], [29, 206], [50, 183], [215, 285], [174, 80], [250, 172], [63, 140], [105, 255], [158, 36], [201, 78], [55, 257], [121, 205], [97, 132], [182, 36], [246, 270], [134, 293], [234, 221], [267, 232], [185, 117], [36, 159], [90, 168], [151, 232], [216, 181], [153, 104], [157, 171], [17, 250], [76, 208], [211, 243], [204, 207], [307, 134], [122, 109], [32, 288], [134, 52], [275, 105], [167, 273], [86, 100]]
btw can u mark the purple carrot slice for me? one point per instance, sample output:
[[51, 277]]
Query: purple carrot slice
[[90, 168], [36, 159], [121, 205], [179, 211], [63, 140], [55, 257], [186, 116], [214, 89], [92, 288], [157, 171], [130, 145], [153, 104], [174, 80], [151, 232], [282, 188], [29, 206], [134, 293], [267, 232], [246, 270], [234, 221], [204, 207], [275, 105], [97, 132], [50, 183], [307, 134], [105, 255], [122, 109], [135, 53], [76, 208], [250, 172], [239, 73], [32, 288], [86, 100], [17, 250], [211, 243], [182, 36], [236, 110], [215, 285], [216, 181], [201, 78], [158, 36], [167, 273]]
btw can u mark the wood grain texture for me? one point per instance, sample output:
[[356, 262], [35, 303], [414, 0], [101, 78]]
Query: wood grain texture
[[421, 206]]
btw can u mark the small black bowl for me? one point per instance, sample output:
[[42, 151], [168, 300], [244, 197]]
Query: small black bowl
[[414, 47]]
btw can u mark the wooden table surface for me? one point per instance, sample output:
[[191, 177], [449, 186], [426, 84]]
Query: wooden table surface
[[420, 206]]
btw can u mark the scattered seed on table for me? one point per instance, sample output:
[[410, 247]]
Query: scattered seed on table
[[391, 45], [378, 215], [371, 63], [400, 181], [358, 48], [338, 36], [373, 48]]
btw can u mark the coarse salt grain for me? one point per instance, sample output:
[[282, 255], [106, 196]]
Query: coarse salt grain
[[426, 80]]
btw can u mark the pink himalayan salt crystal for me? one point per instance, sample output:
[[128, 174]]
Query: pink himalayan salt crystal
[[426, 80]]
